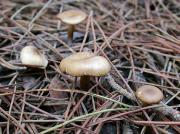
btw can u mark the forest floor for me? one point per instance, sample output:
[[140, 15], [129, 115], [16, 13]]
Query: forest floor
[[140, 39]]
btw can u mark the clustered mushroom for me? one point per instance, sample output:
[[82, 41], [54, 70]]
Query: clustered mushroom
[[72, 18], [84, 65], [149, 95], [31, 56]]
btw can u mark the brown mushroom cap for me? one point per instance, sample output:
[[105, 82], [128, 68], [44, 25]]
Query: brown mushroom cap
[[85, 63], [149, 94], [72, 17], [31, 56]]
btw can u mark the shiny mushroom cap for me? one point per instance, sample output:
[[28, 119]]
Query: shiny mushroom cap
[[72, 17], [85, 64], [31, 56], [149, 95]]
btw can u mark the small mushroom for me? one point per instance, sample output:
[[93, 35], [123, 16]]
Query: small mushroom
[[84, 65], [72, 18], [31, 56], [149, 95]]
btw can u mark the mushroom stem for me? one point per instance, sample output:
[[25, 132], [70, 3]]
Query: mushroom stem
[[71, 29], [84, 82]]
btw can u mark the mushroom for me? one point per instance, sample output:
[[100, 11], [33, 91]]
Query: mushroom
[[84, 65], [72, 17], [31, 56], [149, 95]]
